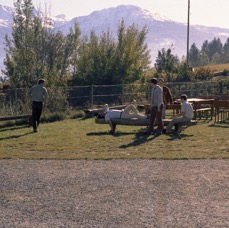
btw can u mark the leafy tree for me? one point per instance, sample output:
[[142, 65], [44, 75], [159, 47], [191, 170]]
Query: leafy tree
[[20, 56], [132, 56], [35, 50], [104, 61]]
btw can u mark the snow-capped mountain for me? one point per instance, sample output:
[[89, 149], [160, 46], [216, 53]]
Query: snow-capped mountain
[[162, 32]]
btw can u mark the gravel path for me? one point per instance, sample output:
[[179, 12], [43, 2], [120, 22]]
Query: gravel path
[[116, 193]]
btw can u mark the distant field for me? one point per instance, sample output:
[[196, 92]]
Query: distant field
[[219, 67], [83, 139]]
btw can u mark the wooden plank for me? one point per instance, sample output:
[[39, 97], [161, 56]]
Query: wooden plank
[[138, 122], [14, 117]]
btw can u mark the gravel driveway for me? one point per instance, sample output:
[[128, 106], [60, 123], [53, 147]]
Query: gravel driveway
[[115, 193]]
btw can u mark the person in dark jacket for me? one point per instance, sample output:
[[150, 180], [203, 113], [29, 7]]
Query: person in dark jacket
[[167, 96]]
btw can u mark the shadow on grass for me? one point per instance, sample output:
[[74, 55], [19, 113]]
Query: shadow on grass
[[139, 139], [116, 134], [220, 125], [176, 136], [16, 136], [10, 128]]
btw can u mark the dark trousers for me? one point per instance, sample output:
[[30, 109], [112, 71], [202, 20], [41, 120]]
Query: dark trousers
[[36, 113], [155, 114]]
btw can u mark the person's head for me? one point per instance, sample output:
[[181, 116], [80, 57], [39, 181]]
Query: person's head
[[153, 81], [183, 98], [41, 81], [161, 81], [102, 112]]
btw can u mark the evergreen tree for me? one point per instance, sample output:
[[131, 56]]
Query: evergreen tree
[[166, 63], [226, 51], [215, 47], [194, 56]]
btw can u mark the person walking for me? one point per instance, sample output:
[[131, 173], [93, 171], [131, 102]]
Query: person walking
[[156, 108], [38, 95], [167, 96]]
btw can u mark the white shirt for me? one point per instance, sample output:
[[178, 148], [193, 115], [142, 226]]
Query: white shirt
[[187, 109], [113, 114]]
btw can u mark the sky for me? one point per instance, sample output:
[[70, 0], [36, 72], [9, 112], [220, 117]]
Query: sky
[[202, 12]]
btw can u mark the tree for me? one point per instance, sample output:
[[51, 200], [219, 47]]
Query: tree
[[104, 61], [166, 63], [132, 56], [226, 51], [35, 50], [20, 56], [194, 55]]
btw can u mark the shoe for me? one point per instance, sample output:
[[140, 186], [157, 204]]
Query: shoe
[[111, 132], [164, 131], [147, 133], [35, 130]]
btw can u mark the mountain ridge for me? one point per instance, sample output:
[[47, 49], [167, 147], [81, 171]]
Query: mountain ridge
[[162, 32]]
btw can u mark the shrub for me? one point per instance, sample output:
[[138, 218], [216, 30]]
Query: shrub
[[52, 117]]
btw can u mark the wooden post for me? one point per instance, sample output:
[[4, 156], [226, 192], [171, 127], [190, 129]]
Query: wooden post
[[15, 101], [92, 96]]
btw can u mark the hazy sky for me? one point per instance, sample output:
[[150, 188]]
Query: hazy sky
[[203, 12]]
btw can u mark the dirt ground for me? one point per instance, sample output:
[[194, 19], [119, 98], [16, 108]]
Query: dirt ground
[[115, 193]]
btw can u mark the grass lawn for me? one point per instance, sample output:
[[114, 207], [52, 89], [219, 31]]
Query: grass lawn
[[83, 139]]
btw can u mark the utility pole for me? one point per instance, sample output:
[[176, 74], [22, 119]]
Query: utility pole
[[188, 32]]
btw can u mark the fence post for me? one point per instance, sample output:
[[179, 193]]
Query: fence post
[[15, 101], [122, 95], [92, 95]]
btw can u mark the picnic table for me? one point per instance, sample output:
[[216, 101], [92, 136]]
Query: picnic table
[[202, 108]]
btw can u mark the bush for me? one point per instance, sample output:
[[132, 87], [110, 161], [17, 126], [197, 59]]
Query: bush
[[225, 72], [203, 74], [52, 117]]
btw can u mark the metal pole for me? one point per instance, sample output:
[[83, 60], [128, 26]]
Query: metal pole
[[188, 32]]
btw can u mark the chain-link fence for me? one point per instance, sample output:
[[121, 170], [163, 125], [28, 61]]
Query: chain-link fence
[[17, 101]]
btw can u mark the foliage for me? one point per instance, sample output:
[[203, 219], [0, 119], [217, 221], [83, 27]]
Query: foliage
[[213, 52], [35, 50], [166, 61], [203, 73], [185, 73], [102, 60]]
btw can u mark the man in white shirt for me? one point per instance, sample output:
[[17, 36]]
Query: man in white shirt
[[185, 115]]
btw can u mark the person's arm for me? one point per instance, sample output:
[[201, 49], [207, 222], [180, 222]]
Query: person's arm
[[45, 93]]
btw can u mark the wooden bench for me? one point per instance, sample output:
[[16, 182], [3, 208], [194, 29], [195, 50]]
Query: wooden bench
[[141, 122], [91, 112], [203, 113], [221, 110]]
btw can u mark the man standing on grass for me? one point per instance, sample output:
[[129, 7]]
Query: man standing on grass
[[156, 107], [38, 95], [185, 115]]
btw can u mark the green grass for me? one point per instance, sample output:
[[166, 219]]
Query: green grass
[[83, 139]]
